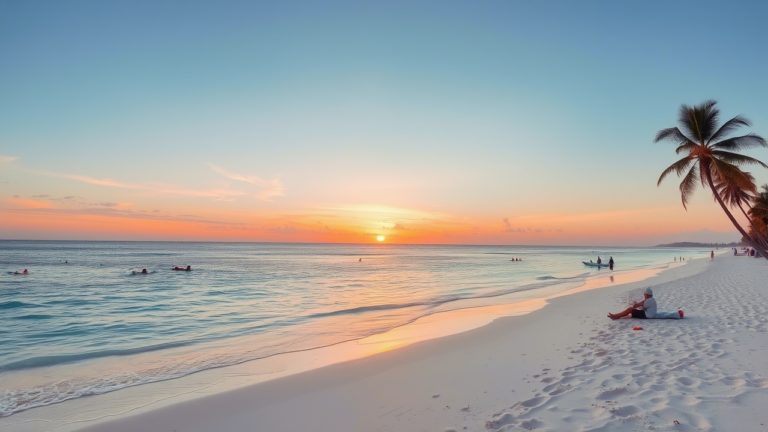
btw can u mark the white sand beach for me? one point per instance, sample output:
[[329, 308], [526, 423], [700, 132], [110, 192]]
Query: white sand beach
[[565, 366]]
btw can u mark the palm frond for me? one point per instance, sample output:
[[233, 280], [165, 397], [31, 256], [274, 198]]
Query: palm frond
[[760, 207], [726, 172], [731, 193], [759, 210], [700, 120], [736, 159], [688, 122], [672, 134], [728, 127], [688, 186], [689, 147], [678, 167], [743, 142], [711, 119]]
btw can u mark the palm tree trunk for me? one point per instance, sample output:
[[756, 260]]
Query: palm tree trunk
[[705, 165], [745, 213]]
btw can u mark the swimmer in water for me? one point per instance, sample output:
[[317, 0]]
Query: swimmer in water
[[25, 272], [189, 268], [143, 271]]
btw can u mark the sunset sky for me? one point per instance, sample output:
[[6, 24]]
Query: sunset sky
[[423, 122]]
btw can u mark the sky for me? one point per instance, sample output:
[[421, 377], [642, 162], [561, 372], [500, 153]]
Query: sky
[[514, 122]]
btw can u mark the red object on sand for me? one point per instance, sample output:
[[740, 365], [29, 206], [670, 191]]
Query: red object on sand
[[637, 328], [681, 314]]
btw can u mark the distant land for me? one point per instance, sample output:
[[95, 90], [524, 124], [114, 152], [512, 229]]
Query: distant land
[[693, 244]]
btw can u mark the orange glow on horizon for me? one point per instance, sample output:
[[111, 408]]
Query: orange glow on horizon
[[28, 219]]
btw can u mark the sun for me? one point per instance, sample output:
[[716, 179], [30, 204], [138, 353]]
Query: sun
[[380, 238]]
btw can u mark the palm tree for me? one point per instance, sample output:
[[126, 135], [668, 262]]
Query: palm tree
[[759, 219], [734, 195], [760, 209], [709, 154]]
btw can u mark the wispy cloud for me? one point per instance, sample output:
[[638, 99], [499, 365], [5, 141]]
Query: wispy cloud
[[100, 182], [87, 179], [382, 212], [292, 228], [582, 217], [508, 227], [112, 204], [29, 206], [148, 188], [269, 188], [219, 194], [22, 203], [266, 189]]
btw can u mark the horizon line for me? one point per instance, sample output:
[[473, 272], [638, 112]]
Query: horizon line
[[360, 243]]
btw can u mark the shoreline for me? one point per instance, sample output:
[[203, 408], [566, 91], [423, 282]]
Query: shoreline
[[440, 324], [564, 367]]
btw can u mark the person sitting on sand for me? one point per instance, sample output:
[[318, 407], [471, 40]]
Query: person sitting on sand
[[642, 309]]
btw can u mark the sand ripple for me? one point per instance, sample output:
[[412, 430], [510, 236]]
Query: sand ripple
[[673, 375]]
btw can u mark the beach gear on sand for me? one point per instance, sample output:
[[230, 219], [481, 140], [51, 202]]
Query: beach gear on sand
[[669, 315]]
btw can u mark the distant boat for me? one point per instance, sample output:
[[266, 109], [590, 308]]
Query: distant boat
[[594, 264]]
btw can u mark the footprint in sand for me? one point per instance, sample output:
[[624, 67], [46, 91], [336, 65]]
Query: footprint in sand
[[678, 377]]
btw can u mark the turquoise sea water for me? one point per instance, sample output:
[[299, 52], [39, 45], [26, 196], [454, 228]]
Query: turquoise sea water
[[92, 325]]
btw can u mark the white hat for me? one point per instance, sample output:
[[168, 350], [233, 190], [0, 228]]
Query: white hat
[[649, 292]]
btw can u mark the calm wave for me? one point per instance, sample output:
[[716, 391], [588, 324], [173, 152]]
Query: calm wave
[[95, 324]]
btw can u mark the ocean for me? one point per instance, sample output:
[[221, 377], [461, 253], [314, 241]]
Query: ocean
[[85, 321]]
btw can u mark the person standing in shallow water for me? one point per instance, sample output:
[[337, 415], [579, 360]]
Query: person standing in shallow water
[[610, 263], [712, 255]]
